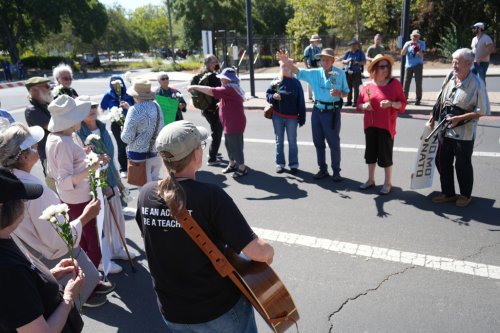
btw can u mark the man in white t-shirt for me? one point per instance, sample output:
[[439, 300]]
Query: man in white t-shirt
[[482, 46]]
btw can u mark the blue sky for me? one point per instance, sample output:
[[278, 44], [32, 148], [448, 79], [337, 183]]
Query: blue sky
[[132, 4]]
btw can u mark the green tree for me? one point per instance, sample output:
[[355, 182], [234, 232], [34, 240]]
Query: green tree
[[152, 24], [271, 17]]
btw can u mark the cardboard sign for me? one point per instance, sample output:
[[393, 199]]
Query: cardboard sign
[[423, 168]]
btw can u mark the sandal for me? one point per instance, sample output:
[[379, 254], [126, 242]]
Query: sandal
[[240, 173], [230, 168]]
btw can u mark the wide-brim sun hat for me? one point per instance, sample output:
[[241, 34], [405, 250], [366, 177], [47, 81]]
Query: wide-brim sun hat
[[141, 89], [228, 74], [86, 98], [378, 58], [66, 112], [14, 189], [36, 135], [179, 139], [315, 38], [328, 52]]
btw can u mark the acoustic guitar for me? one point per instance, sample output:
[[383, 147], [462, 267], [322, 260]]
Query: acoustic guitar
[[256, 280]]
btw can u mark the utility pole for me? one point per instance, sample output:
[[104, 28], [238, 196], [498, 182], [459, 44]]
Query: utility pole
[[250, 45], [405, 31], [171, 35]]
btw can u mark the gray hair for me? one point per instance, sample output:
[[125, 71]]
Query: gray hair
[[465, 53], [10, 142], [56, 73], [162, 75]]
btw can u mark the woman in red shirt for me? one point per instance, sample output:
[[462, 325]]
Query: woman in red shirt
[[381, 100]]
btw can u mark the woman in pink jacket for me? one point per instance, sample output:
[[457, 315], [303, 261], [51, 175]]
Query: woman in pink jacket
[[381, 100]]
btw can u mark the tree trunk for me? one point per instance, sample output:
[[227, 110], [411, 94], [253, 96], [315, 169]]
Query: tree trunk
[[9, 41]]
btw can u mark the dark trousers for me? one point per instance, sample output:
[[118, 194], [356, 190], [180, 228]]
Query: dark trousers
[[418, 72], [216, 128], [353, 81], [89, 241], [120, 146], [460, 152]]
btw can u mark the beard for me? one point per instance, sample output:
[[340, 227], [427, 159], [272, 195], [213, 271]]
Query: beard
[[46, 97]]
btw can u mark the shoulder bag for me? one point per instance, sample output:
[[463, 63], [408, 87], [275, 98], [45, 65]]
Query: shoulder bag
[[136, 171]]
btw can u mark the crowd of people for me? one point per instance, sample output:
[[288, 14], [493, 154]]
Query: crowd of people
[[64, 134]]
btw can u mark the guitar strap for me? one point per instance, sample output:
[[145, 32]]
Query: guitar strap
[[219, 261]]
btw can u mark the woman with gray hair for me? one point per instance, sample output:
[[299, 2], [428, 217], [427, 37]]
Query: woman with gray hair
[[64, 77], [18, 152]]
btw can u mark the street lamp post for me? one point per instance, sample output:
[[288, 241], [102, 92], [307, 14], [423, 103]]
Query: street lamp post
[[405, 31], [248, 4]]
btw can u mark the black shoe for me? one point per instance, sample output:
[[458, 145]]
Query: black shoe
[[417, 102], [321, 174], [95, 301], [348, 104], [280, 169], [294, 171], [104, 287], [212, 161], [337, 177]]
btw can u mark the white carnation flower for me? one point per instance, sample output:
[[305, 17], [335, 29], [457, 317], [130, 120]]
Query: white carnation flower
[[91, 137]]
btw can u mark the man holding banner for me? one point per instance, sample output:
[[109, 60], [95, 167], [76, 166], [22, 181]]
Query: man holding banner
[[463, 100]]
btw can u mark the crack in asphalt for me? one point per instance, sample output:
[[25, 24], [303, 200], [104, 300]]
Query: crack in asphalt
[[364, 294], [480, 250]]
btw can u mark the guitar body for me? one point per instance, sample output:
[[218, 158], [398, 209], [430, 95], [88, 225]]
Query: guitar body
[[269, 295]]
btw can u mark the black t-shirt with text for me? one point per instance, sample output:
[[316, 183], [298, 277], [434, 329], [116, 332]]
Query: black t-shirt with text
[[188, 287]]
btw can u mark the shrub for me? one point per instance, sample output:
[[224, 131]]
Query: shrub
[[46, 62]]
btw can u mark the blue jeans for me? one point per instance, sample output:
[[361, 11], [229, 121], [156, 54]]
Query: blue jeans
[[239, 319], [288, 125], [326, 126], [481, 69]]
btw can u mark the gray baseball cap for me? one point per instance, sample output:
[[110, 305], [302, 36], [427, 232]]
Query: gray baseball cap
[[179, 139]]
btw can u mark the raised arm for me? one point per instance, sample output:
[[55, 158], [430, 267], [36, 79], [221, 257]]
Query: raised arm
[[283, 56], [203, 89]]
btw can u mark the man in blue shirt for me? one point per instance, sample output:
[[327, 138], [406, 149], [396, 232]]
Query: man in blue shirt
[[353, 64], [414, 51], [329, 85], [310, 53]]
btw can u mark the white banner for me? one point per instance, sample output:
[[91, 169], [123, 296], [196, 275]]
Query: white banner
[[423, 169]]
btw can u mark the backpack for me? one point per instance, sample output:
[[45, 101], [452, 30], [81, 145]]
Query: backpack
[[200, 100]]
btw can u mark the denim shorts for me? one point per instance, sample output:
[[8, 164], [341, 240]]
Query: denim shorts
[[240, 318]]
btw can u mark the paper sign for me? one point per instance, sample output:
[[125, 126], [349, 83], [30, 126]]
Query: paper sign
[[169, 108]]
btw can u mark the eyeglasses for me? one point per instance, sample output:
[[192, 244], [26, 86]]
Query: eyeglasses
[[383, 66], [93, 106], [164, 79]]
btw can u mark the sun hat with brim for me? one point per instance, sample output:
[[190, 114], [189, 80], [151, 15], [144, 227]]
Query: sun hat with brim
[[228, 74], [14, 189], [34, 81], [66, 112], [415, 32], [353, 41], [479, 25], [36, 135], [378, 58], [86, 98], [141, 89], [179, 139], [315, 38], [328, 52]]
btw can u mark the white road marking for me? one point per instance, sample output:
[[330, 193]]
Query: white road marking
[[362, 147], [374, 252]]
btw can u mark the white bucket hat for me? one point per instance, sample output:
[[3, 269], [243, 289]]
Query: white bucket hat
[[66, 112]]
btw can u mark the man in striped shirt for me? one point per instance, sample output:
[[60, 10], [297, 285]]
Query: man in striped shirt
[[466, 92]]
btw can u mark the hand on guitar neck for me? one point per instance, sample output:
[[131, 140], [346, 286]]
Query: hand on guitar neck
[[259, 250]]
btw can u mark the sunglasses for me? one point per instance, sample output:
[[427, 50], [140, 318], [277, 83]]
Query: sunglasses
[[164, 79]]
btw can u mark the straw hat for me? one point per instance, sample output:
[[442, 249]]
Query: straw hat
[[315, 38], [141, 89], [378, 58], [66, 112], [328, 52]]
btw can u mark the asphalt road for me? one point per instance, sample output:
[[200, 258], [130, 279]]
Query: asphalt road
[[354, 261]]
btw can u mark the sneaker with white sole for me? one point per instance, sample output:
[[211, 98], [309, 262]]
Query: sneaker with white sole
[[122, 255], [115, 268], [123, 174]]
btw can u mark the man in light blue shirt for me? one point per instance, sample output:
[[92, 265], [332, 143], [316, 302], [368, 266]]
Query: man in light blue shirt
[[414, 51], [329, 85], [464, 100]]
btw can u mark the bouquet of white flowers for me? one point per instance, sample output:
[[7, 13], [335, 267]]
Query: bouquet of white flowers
[[95, 180]]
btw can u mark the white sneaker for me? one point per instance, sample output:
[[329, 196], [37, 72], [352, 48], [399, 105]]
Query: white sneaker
[[122, 255], [115, 268], [123, 174]]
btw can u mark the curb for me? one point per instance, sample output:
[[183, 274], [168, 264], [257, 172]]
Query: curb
[[11, 85]]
